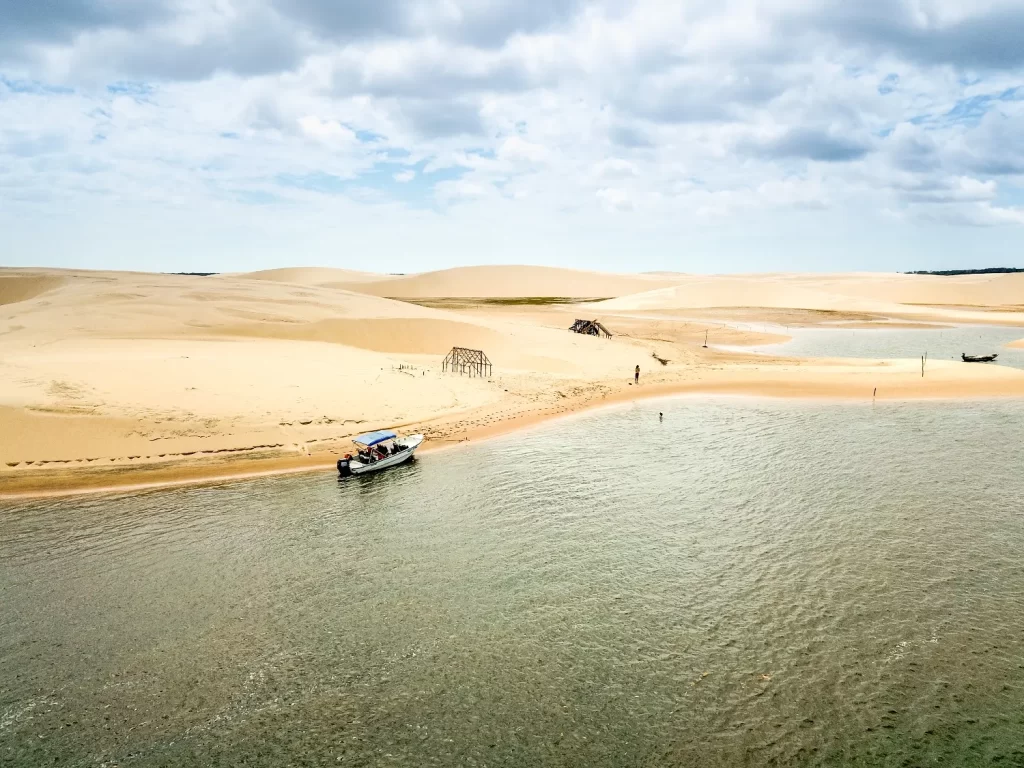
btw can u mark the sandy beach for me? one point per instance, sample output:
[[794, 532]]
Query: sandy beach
[[120, 379]]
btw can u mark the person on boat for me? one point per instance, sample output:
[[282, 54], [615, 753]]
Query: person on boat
[[636, 375]]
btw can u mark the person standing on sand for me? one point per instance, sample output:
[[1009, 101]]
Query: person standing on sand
[[636, 375]]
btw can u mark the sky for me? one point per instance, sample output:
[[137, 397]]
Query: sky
[[410, 135]]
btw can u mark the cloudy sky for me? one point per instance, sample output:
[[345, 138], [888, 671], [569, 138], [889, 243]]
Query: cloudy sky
[[405, 135]]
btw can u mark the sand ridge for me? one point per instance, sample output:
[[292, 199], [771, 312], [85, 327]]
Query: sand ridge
[[330, 276], [511, 281], [112, 378], [991, 298], [17, 288]]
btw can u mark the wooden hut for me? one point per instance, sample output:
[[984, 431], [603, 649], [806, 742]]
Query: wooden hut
[[471, 361]]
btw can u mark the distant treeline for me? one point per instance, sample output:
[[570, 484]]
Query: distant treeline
[[989, 271], [196, 274]]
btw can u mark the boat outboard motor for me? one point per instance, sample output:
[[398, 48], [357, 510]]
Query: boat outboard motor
[[343, 468]]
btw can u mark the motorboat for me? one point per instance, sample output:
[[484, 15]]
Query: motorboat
[[978, 358], [378, 450]]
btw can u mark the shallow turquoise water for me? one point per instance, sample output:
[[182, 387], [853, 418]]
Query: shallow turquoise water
[[745, 583]]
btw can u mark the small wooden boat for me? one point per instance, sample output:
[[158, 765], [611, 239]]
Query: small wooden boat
[[978, 358], [378, 450]]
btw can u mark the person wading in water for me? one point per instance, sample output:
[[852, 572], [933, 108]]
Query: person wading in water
[[636, 375]]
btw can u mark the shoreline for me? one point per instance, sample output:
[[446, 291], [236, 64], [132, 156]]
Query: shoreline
[[122, 382], [131, 479]]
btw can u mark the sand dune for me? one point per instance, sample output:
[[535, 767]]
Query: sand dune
[[511, 281], [112, 305], [989, 291], [116, 370], [773, 292], [91, 306], [181, 376], [311, 276], [877, 294], [17, 288]]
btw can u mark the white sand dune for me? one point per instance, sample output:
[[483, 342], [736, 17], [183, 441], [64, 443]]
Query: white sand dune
[[174, 368], [742, 291], [129, 306], [879, 294], [16, 288], [311, 276], [989, 291], [511, 281], [177, 376]]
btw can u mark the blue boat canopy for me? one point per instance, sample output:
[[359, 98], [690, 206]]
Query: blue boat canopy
[[372, 438]]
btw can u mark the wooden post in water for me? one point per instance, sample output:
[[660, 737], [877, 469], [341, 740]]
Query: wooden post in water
[[705, 339]]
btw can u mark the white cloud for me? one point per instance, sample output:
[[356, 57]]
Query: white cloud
[[977, 215], [448, 192], [514, 149], [615, 199], [538, 117], [327, 131], [616, 168]]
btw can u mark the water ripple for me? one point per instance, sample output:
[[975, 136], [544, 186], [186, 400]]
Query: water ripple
[[748, 582]]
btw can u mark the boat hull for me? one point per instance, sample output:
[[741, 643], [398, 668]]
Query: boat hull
[[355, 467]]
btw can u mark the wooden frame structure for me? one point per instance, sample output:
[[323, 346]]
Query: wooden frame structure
[[471, 361], [590, 328]]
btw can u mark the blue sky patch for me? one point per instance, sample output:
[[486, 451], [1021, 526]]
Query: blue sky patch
[[34, 87], [377, 183], [256, 197], [1010, 195], [129, 88], [369, 137], [972, 108], [313, 182], [889, 84]]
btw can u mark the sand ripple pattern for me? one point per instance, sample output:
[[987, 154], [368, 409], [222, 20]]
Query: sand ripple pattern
[[746, 583]]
